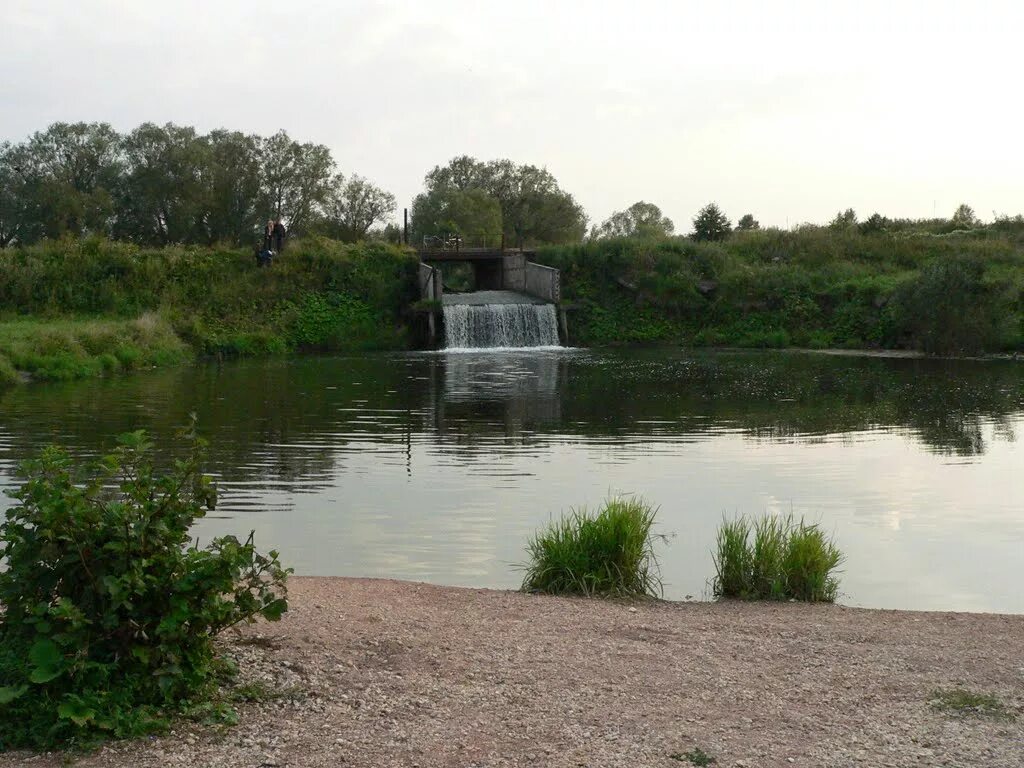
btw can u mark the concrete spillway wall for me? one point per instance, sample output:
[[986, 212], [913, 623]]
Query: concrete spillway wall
[[508, 271]]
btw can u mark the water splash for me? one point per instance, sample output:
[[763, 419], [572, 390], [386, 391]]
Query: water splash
[[488, 326]]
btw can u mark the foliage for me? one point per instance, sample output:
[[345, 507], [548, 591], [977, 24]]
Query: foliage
[[874, 224], [471, 213], [110, 610], [297, 179], [964, 218], [811, 287], [534, 209], [352, 207], [168, 184], [960, 701], [844, 220], [610, 554], [97, 306], [785, 560], [63, 349], [710, 224], [949, 308], [747, 221], [639, 220], [695, 756]]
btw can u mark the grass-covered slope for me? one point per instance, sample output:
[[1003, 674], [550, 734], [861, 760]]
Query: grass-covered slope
[[814, 287], [77, 308]]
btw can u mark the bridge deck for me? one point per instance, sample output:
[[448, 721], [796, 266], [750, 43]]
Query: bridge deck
[[465, 254]]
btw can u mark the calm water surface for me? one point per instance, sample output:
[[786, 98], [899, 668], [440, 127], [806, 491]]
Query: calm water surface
[[438, 467]]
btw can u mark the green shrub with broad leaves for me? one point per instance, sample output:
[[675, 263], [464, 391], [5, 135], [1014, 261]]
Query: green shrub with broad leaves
[[109, 609]]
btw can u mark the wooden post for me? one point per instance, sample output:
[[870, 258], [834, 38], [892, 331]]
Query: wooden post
[[405, 226]]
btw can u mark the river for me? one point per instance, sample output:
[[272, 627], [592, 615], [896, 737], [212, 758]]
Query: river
[[438, 467]]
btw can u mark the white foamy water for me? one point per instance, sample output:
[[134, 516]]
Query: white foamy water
[[470, 326]]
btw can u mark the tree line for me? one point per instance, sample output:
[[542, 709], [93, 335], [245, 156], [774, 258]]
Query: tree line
[[159, 185], [163, 184]]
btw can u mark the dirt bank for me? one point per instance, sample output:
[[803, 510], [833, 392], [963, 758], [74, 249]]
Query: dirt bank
[[380, 673]]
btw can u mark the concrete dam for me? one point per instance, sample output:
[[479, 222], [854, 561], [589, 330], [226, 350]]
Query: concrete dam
[[515, 302]]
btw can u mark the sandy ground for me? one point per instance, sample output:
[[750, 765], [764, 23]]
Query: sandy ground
[[381, 673]]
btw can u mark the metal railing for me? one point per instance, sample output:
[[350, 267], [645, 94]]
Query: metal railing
[[456, 242]]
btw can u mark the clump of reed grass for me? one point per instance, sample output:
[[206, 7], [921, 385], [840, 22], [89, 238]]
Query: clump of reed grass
[[608, 554], [781, 560]]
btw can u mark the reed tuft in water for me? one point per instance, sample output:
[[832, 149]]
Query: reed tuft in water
[[782, 560], [608, 554]]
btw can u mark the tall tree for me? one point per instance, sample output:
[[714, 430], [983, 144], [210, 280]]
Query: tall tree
[[353, 206], [471, 213], [747, 222], [162, 196], [534, 209], [17, 222], [641, 219], [70, 171], [874, 224], [964, 217], [297, 179], [710, 224], [844, 220], [233, 187]]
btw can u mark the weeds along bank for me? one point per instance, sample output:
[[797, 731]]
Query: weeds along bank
[[79, 308], [815, 287]]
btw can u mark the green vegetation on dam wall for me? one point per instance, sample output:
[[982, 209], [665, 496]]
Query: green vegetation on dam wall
[[76, 308], [958, 293]]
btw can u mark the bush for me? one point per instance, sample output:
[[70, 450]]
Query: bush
[[785, 561], [110, 611], [610, 554], [949, 308]]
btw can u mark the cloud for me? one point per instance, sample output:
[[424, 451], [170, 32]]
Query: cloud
[[787, 111]]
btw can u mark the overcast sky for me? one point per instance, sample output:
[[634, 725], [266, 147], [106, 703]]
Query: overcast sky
[[789, 111]]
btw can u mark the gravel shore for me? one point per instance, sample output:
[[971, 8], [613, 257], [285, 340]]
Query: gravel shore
[[382, 673]]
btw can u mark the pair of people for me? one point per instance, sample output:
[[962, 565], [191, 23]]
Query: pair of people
[[273, 236]]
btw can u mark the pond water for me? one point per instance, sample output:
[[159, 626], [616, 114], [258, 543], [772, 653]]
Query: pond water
[[438, 467]]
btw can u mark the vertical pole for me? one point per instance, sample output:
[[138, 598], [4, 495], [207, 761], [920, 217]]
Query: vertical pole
[[503, 242], [405, 226]]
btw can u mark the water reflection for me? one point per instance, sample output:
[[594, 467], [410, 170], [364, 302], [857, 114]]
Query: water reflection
[[438, 466]]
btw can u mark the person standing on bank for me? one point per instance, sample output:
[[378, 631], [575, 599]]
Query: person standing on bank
[[279, 233], [268, 236]]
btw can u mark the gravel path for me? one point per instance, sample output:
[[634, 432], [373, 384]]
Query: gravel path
[[381, 673]]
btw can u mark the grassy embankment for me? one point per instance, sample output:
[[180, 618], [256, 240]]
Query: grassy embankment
[[948, 294], [73, 309]]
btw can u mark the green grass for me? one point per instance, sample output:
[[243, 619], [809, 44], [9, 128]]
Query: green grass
[[262, 692], [607, 554], [695, 756], [775, 558], [959, 701], [812, 287], [74, 348], [81, 308]]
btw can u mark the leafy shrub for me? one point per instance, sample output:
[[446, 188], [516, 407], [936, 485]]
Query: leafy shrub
[[110, 611], [609, 554], [949, 308], [784, 561]]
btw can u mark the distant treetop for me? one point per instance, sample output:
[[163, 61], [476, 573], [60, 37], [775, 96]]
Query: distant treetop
[[641, 219], [710, 224]]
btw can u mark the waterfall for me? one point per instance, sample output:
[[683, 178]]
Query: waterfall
[[499, 325]]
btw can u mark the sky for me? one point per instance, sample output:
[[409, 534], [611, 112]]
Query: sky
[[790, 111]]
